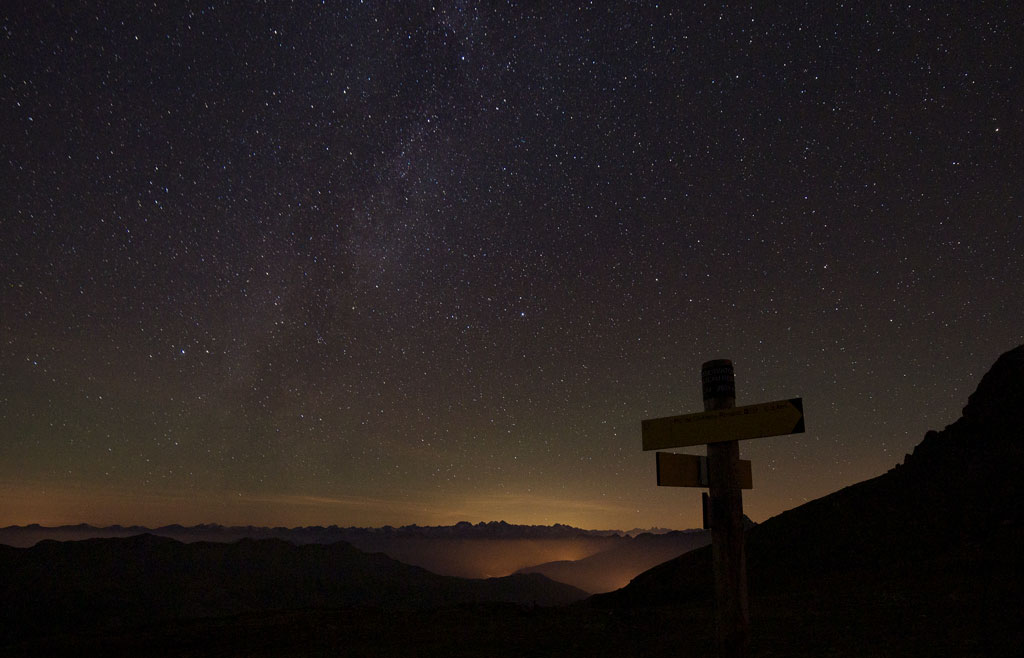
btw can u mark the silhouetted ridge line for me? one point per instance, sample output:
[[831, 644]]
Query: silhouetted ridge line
[[27, 535]]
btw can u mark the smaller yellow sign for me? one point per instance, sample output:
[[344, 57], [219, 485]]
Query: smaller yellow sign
[[679, 470]]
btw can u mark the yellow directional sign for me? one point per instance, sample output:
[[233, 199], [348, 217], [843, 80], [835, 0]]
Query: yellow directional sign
[[749, 422], [679, 470]]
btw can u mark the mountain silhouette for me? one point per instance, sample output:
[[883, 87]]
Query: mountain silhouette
[[29, 535], [111, 584], [465, 550]]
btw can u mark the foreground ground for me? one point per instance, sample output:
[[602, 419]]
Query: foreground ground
[[810, 623]]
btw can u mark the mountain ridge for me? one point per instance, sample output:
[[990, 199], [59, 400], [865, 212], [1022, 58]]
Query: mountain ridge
[[113, 583], [462, 550], [23, 536]]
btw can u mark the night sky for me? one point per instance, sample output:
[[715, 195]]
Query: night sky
[[367, 263]]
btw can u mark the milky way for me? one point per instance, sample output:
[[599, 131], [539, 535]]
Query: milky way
[[368, 263]]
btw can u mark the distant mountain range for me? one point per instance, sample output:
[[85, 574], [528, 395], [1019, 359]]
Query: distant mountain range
[[24, 536], [464, 550], [108, 584]]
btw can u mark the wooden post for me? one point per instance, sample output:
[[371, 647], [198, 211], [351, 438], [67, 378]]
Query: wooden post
[[726, 519]]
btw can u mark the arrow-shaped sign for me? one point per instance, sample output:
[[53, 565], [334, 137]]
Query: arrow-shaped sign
[[750, 422]]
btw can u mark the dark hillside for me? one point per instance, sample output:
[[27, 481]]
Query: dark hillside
[[111, 584]]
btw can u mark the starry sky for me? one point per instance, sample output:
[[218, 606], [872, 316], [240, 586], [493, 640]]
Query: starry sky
[[367, 263]]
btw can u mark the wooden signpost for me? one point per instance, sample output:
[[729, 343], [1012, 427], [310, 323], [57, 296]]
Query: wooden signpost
[[721, 426]]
